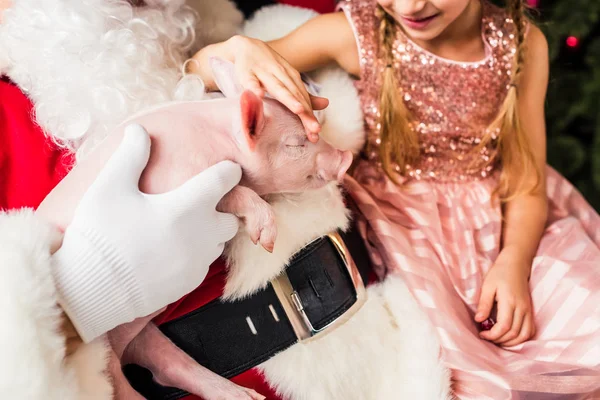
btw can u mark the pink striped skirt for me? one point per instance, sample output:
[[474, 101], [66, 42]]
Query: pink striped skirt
[[443, 238]]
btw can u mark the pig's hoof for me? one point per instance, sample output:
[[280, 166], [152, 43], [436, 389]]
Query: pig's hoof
[[261, 227], [267, 236], [268, 246], [254, 228]]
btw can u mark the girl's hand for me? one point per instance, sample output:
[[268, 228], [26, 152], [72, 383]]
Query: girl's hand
[[507, 283], [260, 69]]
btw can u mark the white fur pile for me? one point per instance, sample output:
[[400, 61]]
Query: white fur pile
[[32, 366], [386, 351]]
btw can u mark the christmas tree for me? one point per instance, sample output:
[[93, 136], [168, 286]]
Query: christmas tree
[[572, 28]]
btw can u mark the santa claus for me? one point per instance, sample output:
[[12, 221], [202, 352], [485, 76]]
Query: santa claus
[[89, 65]]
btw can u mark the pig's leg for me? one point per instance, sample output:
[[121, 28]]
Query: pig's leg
[[140, 342], [122, 390], [170, 366], [119, 338], [256, 213]]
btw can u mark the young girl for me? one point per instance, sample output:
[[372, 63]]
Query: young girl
[[453, 186]]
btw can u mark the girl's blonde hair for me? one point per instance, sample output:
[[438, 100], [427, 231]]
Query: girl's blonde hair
[[400, 143]]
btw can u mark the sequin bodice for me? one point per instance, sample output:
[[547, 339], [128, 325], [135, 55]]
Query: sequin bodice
[[451, 103]]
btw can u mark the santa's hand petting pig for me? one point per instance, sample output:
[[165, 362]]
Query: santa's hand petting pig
[[141, 180]]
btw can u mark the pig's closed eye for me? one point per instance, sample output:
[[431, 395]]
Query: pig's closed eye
[[295, 146], [295, 150]]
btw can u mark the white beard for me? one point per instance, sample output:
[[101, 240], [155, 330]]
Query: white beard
[[90, 64]]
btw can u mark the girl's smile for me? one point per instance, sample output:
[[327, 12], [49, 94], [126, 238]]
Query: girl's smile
[[419, 23], [430, 20]]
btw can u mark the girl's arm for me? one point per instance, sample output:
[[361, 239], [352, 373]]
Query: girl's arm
[[274, 67], [524, 217]]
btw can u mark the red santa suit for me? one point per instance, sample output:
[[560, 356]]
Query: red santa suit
[[31, 165]]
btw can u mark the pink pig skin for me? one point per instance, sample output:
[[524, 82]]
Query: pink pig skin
[[266, 139]]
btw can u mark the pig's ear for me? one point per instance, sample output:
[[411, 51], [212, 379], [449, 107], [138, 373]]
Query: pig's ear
[[224, 75], [252, 118]]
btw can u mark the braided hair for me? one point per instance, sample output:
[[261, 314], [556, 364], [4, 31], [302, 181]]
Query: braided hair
[[400, 143], [513, 146]]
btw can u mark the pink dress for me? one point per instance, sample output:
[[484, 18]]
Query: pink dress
[[441, 232]]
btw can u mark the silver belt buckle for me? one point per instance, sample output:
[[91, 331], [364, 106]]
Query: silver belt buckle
[[292, 303]]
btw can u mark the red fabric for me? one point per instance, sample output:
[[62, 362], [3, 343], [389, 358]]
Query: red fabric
[[30, 164], [322, 6]]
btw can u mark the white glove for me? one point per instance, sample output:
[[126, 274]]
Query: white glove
[[127, 254]]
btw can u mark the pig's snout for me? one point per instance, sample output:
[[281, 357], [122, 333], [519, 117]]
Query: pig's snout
[[333, 165]]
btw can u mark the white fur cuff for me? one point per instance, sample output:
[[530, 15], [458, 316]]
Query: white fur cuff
[[32, 348]]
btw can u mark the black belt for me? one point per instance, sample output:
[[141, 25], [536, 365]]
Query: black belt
[[232, 337]]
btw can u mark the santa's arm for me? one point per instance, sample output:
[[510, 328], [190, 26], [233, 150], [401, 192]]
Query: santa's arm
[[33, 338]]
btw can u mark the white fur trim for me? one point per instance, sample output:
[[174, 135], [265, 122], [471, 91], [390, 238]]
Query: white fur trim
[[388, 350], [300, 219], [32, 349], [343, 125]]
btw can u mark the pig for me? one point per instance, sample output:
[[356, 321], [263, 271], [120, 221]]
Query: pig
[[263, 136], [269, 143]]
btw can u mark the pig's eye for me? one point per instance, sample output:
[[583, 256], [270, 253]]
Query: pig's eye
[[295, 141], [295, 146], [295, 151]]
